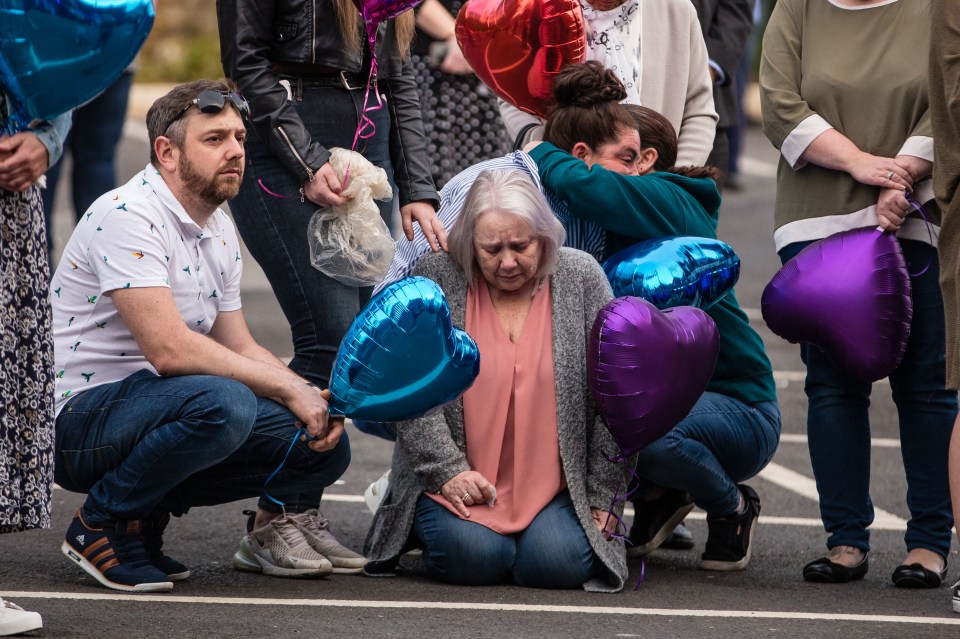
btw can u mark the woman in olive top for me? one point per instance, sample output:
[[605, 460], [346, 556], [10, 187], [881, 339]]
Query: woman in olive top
[[844, 99], [608, 177]]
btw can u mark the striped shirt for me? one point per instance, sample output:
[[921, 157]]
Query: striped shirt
[[581, 234]]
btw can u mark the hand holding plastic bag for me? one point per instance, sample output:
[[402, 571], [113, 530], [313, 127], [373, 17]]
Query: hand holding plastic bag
[[350, 242]]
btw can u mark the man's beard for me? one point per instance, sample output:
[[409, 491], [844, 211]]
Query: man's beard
[[213, 190]]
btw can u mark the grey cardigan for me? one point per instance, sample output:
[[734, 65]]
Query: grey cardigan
[[431, 449]]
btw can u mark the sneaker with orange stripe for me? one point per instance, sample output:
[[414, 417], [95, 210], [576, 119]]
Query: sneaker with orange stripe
[[114, 555]]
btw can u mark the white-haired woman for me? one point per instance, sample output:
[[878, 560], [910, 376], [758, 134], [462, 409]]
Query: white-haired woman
[[512, 480]]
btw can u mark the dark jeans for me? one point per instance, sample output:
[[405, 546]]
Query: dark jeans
[[553, 551], [92, 142], [720, 443], [318, 308], [838, 424], [167, 444]]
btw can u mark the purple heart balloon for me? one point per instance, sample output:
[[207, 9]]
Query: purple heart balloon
[[848, 294], [647, 368], [674, 271], [374, 12]]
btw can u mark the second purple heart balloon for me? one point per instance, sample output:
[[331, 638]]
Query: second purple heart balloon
[[848, 294]]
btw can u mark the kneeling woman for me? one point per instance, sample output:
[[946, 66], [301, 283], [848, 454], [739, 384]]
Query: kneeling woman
[[512, 481]]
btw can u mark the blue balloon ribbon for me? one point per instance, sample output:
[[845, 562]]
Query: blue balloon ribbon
[[402, 357], [674, 271]]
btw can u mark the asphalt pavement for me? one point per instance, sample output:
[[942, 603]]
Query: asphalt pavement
[[769, 599]]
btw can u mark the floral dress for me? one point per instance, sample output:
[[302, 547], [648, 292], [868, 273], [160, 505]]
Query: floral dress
[[26, 363]]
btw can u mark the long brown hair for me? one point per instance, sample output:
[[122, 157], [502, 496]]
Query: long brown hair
[[587, 107], [348, 19], [656, 132]]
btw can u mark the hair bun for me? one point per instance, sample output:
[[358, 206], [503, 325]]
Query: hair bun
[[587, 84]]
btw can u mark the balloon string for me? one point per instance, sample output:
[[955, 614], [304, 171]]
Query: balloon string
[[643, 573], [919, 208], [282, 504], [366, 127], [269, 192]]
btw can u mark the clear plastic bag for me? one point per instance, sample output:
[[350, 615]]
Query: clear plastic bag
[[351, 243]]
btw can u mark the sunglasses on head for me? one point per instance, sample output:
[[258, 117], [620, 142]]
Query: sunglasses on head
[[213, 102]]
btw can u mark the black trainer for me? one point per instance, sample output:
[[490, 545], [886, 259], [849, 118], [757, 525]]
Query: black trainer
[[654, 520], [152, 528], [728, 544]]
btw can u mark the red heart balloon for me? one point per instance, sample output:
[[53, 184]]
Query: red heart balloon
[[517, 47]]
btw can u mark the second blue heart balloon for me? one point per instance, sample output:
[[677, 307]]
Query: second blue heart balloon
[[674, 271]]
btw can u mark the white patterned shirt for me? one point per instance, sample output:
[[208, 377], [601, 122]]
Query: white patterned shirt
[[137, 235]]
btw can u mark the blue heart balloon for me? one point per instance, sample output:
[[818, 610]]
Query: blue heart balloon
[[402, 356], [57, 54], [674, 271]]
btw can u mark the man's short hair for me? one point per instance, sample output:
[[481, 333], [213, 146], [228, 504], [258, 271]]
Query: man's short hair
[[172, 104]]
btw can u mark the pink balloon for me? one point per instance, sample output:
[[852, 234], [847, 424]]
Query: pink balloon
[[647, 368], [374, 12], [848, 294]]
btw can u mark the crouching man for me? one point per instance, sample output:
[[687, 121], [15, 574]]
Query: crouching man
[[164, 400]]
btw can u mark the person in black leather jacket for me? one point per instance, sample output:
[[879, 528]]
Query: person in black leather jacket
[[303, 67]]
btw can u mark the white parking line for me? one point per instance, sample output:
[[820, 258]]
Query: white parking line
[[876, 442], [806, 487], [501, 607]]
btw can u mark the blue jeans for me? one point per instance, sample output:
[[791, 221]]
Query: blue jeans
[[838, 423], [553, 552], [720, 443], [166, 444], [318, 308], [92, 141]]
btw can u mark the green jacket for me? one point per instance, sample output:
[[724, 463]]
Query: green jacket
[[636, 208]]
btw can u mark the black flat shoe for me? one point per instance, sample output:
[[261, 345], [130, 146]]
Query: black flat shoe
[[916, 576], [825, 571]]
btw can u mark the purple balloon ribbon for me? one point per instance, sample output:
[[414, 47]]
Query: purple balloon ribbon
[[921, 209]]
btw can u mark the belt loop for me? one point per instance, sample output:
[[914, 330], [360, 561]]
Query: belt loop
[[299, 93]]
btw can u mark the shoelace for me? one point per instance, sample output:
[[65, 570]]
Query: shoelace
[[319, 522], [288, 532]]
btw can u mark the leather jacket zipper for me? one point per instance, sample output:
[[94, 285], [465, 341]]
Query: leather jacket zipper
[[313, 43], [293, 150]]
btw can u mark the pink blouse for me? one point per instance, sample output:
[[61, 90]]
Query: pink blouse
[[510, 414]]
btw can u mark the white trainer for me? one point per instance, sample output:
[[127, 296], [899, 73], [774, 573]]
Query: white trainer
[[376, 491], [14, 620], [280, 549], [316, 530]]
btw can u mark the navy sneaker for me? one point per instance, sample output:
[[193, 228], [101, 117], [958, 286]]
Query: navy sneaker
[[152, 528], [114, 555]]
